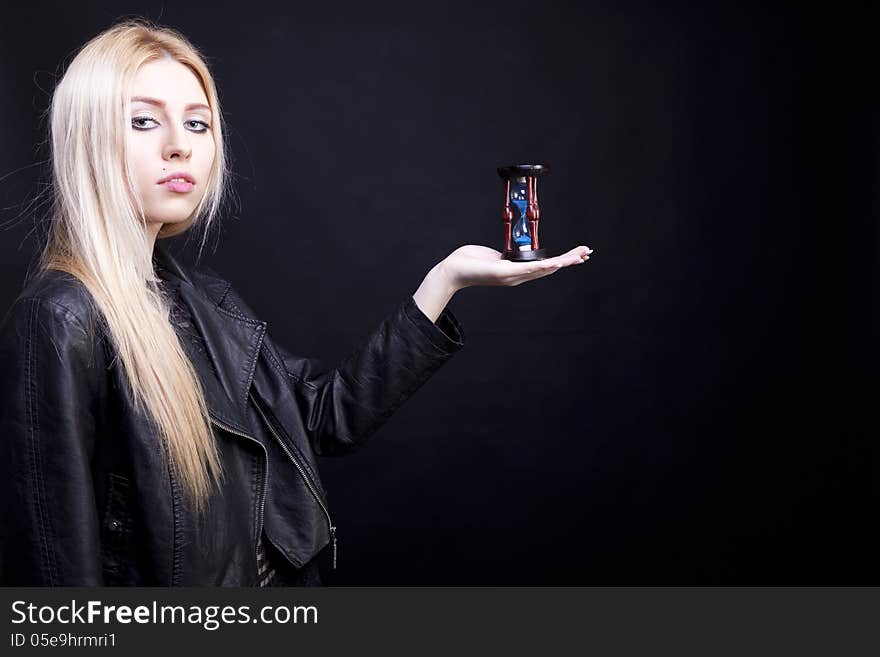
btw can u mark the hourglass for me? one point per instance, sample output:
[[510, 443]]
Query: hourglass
[[521, 212]]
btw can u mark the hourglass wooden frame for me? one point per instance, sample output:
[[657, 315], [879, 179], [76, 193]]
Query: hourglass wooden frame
[[531, 173]]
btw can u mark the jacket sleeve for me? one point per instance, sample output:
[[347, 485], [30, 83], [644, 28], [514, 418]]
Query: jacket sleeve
[[343, 406], [48, 523]]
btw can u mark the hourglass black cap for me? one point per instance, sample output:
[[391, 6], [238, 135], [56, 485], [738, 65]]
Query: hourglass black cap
[[520, 170]]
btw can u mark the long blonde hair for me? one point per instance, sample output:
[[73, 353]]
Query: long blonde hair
[[97, 233]]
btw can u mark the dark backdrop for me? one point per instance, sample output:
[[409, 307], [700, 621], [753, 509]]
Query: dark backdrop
[[689, 407]]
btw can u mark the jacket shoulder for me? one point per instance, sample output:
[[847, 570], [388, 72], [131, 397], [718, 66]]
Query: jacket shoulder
[[60, 292], [48, 335]]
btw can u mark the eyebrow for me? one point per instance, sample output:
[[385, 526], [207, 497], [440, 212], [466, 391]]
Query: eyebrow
[[156, 101]]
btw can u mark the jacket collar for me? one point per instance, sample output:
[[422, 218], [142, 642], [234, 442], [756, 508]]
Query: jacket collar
[[232, 340], [167, 262]]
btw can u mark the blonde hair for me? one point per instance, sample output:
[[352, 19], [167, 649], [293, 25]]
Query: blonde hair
[[97, 233]]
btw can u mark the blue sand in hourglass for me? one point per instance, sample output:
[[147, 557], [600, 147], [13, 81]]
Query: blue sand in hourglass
[[519, 197]]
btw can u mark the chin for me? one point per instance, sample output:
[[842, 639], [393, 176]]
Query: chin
[[174, 227], [176, 219], [175, 216]]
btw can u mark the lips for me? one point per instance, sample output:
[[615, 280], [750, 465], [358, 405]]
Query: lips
[[178, 181], [177, 186]]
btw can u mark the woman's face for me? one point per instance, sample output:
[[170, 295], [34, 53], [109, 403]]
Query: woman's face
[[171, 131]]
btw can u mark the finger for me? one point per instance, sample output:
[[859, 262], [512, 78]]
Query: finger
[[575, 256], [550, 266], [545, 267], [553, 265], [581, 252]]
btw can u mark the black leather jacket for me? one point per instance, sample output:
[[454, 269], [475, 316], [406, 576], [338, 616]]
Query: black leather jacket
[[86, 496]]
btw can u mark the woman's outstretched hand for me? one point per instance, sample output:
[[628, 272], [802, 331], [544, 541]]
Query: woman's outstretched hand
[[472, 265], [479, 265]]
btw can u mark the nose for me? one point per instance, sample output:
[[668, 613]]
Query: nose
[[177, 145]]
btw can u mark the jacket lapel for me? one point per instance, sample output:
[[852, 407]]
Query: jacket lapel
[[231, 339]]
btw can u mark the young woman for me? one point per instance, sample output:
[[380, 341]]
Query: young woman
[[152, 432]]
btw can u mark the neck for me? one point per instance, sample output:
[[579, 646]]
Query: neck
[[153, 228]]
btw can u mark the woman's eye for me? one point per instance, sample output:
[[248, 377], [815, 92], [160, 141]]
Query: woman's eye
[[204, 125], [137, 124]]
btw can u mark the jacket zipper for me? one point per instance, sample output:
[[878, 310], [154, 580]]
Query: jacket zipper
[[265, 475], [305, 477]]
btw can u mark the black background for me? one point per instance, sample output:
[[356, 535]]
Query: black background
[[691, 406]]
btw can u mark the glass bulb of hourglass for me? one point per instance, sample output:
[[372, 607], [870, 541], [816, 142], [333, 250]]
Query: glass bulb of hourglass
[[520, 229]]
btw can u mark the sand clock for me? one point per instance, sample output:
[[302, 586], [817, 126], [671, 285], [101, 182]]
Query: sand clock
[[521, 212]]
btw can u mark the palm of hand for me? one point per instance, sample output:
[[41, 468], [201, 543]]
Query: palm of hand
[[472, 264]]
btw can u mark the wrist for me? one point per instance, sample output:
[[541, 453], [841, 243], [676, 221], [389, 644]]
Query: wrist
[[435, 292], [449, 282]]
